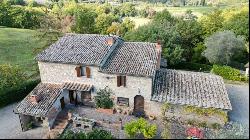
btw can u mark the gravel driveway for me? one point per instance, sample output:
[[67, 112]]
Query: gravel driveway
[[10, 127], [239, 98]]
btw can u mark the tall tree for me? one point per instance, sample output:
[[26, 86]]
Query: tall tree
[[222, 46], [212, 22], [84, 19]]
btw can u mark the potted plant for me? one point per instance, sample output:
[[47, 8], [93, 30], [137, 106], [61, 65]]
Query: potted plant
[[151, 117], [103, 101]]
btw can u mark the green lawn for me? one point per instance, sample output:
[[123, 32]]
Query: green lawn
[[17, 48]]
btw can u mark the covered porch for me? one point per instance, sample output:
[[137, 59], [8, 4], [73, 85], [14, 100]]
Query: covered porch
[[78, 93], [38, 108]]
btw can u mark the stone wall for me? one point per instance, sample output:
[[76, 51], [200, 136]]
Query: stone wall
[[24, 120], [59, 73], [56, 108]]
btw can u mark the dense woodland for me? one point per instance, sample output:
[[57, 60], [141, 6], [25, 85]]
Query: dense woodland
[[217, 41]]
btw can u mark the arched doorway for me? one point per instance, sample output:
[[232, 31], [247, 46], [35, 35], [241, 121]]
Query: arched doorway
[[139, 105]]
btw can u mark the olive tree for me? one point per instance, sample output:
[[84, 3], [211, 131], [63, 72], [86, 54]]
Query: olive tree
[[222, 46]]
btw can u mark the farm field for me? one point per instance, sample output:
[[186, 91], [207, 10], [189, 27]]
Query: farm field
[[176, 11]]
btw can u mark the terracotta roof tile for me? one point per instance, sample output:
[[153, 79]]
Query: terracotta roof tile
[[132, 58], [47, 93], [87, 49], [190, 88]]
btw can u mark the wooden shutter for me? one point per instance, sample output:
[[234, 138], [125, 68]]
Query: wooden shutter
[[78, 71], [118, 81], [88, 72], [124, 81]]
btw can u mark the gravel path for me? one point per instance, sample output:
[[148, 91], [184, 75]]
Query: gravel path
[[239, 98], [10, 127]]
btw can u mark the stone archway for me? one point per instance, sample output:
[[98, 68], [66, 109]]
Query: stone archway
[[138, 103]]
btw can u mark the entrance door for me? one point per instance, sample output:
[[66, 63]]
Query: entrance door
[[85, 96], [138, 103], [62, 102], [71, 97]]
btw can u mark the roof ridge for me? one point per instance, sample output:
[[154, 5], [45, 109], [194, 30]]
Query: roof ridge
[[141, 42]]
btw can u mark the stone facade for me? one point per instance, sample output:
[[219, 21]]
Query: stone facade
[[59, 73]]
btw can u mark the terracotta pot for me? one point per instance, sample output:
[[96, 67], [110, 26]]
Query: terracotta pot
[[151, 117], [106, 111], [119, 110]]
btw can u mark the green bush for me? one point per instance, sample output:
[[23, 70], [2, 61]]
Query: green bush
[[216, 126], [17, 93], [229, 73], [99, 134], [140, 126], [206, 111], [95, 134], [165, 107], [10, 76], [19, 16], [191, 122], [202, 124], [103, 100], [191, 66]]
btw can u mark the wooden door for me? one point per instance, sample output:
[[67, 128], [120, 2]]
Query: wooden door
[[71, 96], [138, 103], [62, 102], [88, 72]]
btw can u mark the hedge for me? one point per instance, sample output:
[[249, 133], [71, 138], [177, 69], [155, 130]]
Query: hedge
[[17, 93], [229, 73], [192, 66]]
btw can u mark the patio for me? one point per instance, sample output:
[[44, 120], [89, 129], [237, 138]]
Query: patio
[[110, 122]]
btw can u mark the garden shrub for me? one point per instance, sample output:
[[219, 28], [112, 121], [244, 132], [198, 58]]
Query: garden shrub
[[202, 124], [206, 111], [103, 100], [99, 134], [192, 66], [191, 122], [140, 126], [165, 107], [19, 17], [94, 134], [229, 73], [10, 76], [17, 93], [216, 126]]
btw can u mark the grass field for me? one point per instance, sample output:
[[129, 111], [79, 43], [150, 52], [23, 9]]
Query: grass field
[[17, 46], [176, 11]]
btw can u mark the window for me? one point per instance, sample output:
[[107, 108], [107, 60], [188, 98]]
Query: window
[[82, 71], [122, 101], [121, 81]]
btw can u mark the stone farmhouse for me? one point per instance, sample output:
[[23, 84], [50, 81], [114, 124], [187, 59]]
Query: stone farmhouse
[[74, 68]]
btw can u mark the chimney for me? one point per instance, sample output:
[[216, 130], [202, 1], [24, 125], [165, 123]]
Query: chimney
[[158, 50], [110, 41], [34, 99], [158, 46]]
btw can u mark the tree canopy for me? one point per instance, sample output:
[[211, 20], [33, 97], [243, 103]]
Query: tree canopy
[[222, 46]]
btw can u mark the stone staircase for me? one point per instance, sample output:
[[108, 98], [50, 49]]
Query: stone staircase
[[59, 125]]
